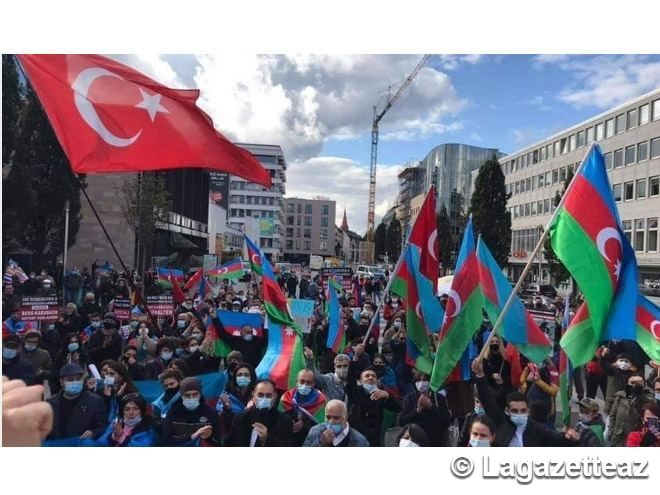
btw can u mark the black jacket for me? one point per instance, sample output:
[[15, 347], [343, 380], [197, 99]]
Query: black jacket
[[434, 421], [535, 435], [181, 423], [88, 413], [280, 428], [98, 353], [18, 369]]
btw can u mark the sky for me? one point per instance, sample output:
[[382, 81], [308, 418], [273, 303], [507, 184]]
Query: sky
[[319, 108]]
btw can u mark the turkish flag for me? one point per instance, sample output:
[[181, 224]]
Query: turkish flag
[[424, 235], [111, 118]]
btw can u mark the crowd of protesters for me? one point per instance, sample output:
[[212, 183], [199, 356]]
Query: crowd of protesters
[[367, 395]]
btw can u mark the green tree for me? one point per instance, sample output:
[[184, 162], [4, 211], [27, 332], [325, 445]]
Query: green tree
[[393, 239], [488, 208], [380, 239], [444, 239], [12, 101], [37, 186], [145, 202], [557, 270]]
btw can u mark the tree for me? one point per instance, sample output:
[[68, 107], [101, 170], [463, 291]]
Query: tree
[[145, 202], [36, 188], [488, 208], [393, 239], [12, 101], [557, 270], [444, 238], [380, 240]]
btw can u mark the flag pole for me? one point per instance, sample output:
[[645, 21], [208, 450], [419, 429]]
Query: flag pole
[[546, 230]]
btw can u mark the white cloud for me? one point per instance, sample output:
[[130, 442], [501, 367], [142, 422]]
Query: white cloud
[[604, 81], [453, 62], [475, 137], [346, 182]]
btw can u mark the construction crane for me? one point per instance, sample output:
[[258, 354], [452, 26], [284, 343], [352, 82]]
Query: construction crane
[[374, 152]]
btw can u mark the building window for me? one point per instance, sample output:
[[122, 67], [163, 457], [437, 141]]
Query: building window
[[557, 148], [639, 234], [630, 155], [654, 186], [590, 135], [609, 128], [555, 176], [600, 131], [572, 142], [580, 139], [543, 153], [539, 207], [616, 192], [517, 187], [655, 148], [298, 221], [644, 114], [627, 229], [632, 119], [289, 244], [323, 245], [297, 231], [620, 123], [308, 245], [571, 170], [515, 211], [325, 209], [548, 151], [540, 181], [324, 221], [298, 244], [323, 234], [528, 209], [289, 232], [618, 158], [642, 151], [628, 191], [564, 145], [641, 189], [308, 209], [548, 178], [299, 208], [290, 208], [529, 184], [656, 110], [533, 208], [307, 233], [562, 174], [546, 206], [308, 221], [652, 234]]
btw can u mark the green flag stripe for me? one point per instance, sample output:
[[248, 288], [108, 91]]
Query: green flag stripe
[[580, 343], [647, 342]]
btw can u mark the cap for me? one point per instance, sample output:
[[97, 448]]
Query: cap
[[589, 404], [189, 384], [71, 369], [238, 355]]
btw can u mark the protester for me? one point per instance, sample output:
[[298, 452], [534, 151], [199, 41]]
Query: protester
[[105, 343], [304, 404], [412, 435], [482, 432], [647, 433], [427, 410], [132, 427], [626, 410], [38, 359], [13, 366], [336, 431]]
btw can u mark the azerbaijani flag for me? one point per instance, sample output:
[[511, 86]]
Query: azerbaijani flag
[[518, 327], [219, 348], [233, 321], [233, 269], [164, 277], [284, 356], [336, 330], [255, 255], [587, 237], [648, 328], [463, 314], [274, 299], [462, 372], [311, 405], [565, 370]]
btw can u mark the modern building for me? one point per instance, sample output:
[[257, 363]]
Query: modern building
[[629, 136], [250, 200], [309, 228]]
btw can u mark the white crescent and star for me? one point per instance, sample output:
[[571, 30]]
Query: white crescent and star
[[431, 243], [255, 260], [601, 240], [81, 86], [223, 271], [418, 310], [453, 295], [654, 332]]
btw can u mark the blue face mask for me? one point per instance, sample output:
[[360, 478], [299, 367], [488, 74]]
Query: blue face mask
[[248, 337], [369, 387], [133, 422], [73, 347], [166, 356], [134, 324], [263, 402], [30, 347], [191, 404], [519, 419], [336, 428], [479, 410], [73, 388], [243, 381], [181, 323], [304, 389], [179, 352], [477, 442], [9, 353], [96, 324]]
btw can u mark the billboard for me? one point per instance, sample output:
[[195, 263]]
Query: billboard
[[219, 189]]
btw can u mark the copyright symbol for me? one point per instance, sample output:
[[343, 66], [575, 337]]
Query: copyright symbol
[[461, 467]]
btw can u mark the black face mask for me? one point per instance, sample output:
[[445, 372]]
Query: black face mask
[[108, 324], [634, 390], [170, 392], [379, 369], [494, 348]]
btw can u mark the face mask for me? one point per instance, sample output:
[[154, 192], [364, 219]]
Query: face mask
[[198, 336], [243, 381], [422, 386], [494, 347], [336, 428], [248, 337], [9, 353], [30, 347], [73, 346], [370, 387], [519, 419], [379, 368], [263, 402], [191, 404], [634, 389], [109, 381], [132, 422], [657, 396], [623, 365], [166, 356], [397, 324], [304, 389], [96, 324], [134, 324], [181, 324], [406, 442], [50, 327], [73, 388], [193, 348], [178, 352], [341, 373], [395, 305], [478, 442], [585, 418], [479, 410], [107, 324], [187, 305]]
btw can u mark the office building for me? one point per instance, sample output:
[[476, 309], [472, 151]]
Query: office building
[[309, 228]]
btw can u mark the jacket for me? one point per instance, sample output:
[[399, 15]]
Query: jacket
[[98, 353], [181, 423], [353, 439], [624, 416], [280, 428], [88, 413], [40, 361], [535, 434], [434, 421], [328, 383], [18, 369], [143, 435]]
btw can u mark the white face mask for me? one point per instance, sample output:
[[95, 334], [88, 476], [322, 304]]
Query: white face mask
[[623, 365], [406, 442]]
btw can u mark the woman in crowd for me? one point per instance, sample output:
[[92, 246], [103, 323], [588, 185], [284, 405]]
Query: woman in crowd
[[132, 427], [482, 432], [647, 433], [412, 435]]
